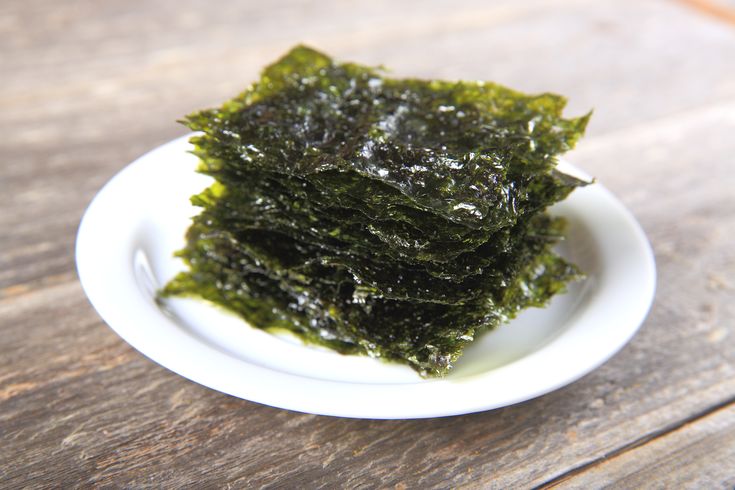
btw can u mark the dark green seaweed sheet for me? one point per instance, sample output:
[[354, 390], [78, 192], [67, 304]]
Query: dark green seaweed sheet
[[393, 218]]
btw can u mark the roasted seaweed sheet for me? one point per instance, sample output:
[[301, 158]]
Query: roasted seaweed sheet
[[397, 218]]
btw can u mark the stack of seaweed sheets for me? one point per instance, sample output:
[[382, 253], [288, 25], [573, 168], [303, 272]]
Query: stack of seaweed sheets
[[379, 216]]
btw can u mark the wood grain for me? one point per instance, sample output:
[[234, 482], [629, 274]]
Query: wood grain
[[697, 455], [88, 86]]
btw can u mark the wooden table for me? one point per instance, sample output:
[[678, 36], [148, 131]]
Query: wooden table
[[87, 86]]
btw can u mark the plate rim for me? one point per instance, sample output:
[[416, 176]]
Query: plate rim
[[435, 398]]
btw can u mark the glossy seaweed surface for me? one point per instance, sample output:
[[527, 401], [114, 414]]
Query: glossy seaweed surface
[[393, 218]]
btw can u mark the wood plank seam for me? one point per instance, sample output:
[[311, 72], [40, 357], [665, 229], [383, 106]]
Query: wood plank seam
[[641, 441]]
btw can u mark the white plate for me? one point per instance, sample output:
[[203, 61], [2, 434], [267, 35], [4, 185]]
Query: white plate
[[134, 224]]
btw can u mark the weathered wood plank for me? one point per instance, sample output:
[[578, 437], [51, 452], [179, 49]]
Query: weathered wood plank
[[698, 455]]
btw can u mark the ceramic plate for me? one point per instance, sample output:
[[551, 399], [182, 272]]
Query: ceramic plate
[[135, 223]]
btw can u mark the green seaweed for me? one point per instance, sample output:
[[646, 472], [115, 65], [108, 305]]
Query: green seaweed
[[379, 216]]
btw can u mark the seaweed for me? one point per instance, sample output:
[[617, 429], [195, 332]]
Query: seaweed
[[397, 218]]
